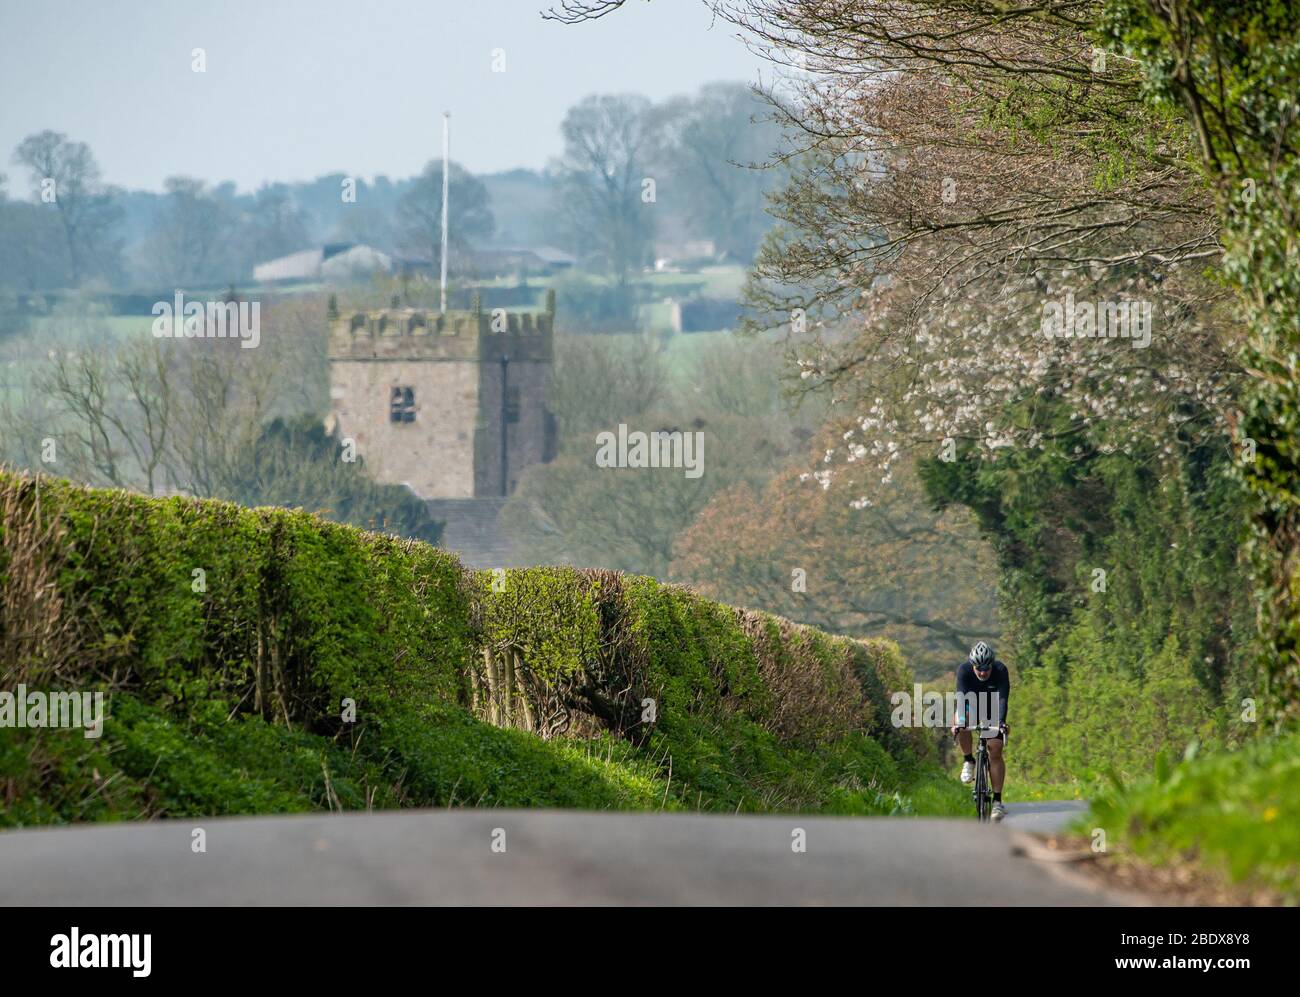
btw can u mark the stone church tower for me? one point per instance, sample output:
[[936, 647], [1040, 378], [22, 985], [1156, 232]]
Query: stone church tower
[[453, 406]]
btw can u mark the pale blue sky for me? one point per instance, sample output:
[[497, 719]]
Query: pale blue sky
[[298, 88]]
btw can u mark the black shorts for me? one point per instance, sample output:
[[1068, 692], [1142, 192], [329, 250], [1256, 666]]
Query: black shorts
[[997, 737]]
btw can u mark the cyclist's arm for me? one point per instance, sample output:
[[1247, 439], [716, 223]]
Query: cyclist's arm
[[1004, 695], [964, 679]]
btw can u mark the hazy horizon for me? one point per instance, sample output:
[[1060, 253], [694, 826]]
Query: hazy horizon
[[299, 90]]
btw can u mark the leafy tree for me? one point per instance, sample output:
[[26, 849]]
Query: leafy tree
[[367, 219], [295, 463], [33, 253], [1230, 72], [366, 223], [881, 565]]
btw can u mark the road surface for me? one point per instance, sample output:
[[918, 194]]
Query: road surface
[[1045, 817], [549, 857]]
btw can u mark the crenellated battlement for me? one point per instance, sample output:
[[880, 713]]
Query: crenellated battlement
[[411, 333]]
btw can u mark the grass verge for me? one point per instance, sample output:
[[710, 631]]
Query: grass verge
[[1233, 812]]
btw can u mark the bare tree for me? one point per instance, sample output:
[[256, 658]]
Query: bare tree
[[86, 206], [577, 11], [721, 151], [278, 225], [117, 410], [188, 241], [152, 414], [599, 381], [420, 213], [964, 164], [608, 143]]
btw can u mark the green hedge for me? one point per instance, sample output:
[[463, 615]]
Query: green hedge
[[229, 641]]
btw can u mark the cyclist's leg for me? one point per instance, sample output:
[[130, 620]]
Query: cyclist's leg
[[963, 741], [967, 761], [997, 764]]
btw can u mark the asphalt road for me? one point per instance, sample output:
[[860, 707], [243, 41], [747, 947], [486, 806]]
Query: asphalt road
[[550, 857], [1046, 817]]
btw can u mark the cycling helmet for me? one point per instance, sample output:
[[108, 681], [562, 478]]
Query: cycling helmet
[[981, 656]]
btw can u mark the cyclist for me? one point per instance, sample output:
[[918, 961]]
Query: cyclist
[[986, 677]]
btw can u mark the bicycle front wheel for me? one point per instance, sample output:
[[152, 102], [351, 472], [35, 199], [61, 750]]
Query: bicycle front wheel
[[983, 798]]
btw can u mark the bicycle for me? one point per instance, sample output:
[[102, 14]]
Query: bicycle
[[983, 792]]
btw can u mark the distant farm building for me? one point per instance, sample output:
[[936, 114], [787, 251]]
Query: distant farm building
[[338, 262], [519, 259]]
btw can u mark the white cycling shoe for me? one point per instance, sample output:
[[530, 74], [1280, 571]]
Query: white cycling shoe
[[967, 772], [999, 812]]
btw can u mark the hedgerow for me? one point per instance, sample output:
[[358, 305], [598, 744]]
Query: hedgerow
[[266, 660]]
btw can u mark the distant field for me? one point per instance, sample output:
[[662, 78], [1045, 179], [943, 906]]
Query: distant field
[[23, 354], [719, 281], [684, 348], [125, 326], [723, 280]]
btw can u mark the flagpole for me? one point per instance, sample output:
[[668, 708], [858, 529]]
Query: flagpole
[[446, 177]]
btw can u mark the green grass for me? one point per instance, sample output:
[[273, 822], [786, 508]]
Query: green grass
[[26, 354], [1235, 812], [684, 349], [721, 281], [127, 326], [938, 794], [152, 763], [1030, 791]]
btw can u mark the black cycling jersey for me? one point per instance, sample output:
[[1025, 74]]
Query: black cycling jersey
[[999, 682]]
